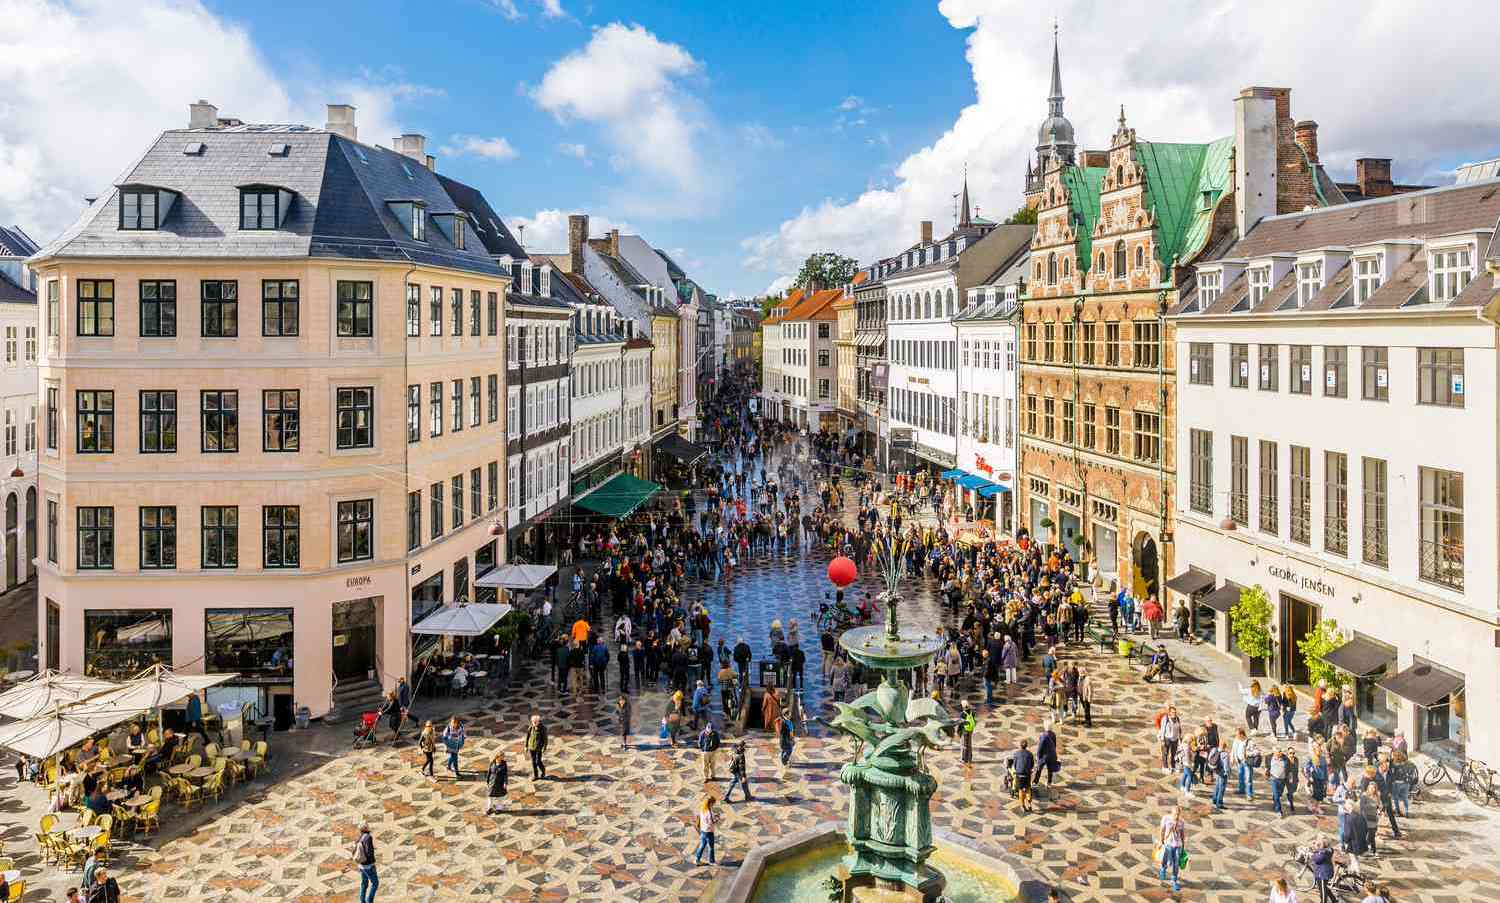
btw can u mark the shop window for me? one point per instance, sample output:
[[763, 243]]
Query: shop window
[[256, 643], [120, 643]]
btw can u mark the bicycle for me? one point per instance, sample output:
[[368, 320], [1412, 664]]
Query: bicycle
[[1348, 874], [1475, 780]]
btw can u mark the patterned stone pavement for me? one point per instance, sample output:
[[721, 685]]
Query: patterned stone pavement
[[616, 824]]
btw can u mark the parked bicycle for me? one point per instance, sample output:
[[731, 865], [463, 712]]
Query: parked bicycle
[[1348, 874], [1475, 780]]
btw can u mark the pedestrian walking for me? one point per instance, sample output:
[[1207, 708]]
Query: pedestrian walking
[[536, 745], [1086, 696], [622, 706], [496, 779], [1022, 763], [454, 737], [966, 734], [1046, 755], [1322, 869], [708, 821], [364, 857], [427, 743], [786, 734], [1281, 892], [1218, 763], [1169, 736], [739, 773], [1173, 844], [708, 749]]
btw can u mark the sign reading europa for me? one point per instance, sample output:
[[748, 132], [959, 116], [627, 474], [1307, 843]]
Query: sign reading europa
[[1299, 580]]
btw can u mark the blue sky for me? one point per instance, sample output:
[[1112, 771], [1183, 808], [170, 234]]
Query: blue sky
[[738, 137]]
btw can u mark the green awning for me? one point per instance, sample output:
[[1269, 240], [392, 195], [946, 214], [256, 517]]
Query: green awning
[[619, 497]]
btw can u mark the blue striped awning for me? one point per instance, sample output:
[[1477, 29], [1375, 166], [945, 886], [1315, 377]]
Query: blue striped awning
[[952, 474]]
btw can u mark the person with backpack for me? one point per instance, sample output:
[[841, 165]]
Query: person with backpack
[[742, 656], [1218, 766], [786, 734], [966, 727], [708, 746], [1022, 764], [364, 857], [739, 774], [454, 737], [700, 705]]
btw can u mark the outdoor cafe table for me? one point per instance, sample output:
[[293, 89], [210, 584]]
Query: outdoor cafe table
[[180, 770], [12, 877], [199, 774], [87, 832], [115, 796], [136, 800], [235, 755]]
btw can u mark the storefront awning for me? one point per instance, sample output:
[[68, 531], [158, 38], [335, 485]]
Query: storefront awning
[[1361, 656], [1223, 598], [1193, 580], [992, 490], [951, 474], [681, 449], [1423, 684], [970, 481], [619, 497]]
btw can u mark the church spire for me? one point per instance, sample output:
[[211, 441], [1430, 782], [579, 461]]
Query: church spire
[[963, 216], [1055, 98]]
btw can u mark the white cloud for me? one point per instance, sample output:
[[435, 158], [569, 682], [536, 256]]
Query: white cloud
[[758, 136], [852, 102], [496, 148], [632, 85], [1370, 93], [506, 8], [778, 285], [576, 151], [553, 9], [547, 230], [57, 95]]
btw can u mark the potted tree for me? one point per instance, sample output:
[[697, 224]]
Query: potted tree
[[1250, 621], [1320, 641], [1048, 524], [1083, 554]]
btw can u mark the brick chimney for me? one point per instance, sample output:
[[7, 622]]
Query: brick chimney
[[413, 146], [578, 236], [341, 121], [926, 231], [614, 243], [202, 115], [1306, 135], [1373, 175]]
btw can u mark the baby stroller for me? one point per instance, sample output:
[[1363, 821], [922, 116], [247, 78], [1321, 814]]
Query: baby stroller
[[365, 729]]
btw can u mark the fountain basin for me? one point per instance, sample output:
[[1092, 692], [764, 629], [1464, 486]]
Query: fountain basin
[[793, 868], [873, 647]]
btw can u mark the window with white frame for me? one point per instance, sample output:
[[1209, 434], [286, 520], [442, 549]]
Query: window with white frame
[[1210, 286], [1451, 271], [1309, 280], [1260, 283], [1367, 272]]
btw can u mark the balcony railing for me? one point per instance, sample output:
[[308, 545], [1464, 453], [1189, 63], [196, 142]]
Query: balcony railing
[[1376, 546], [1336, 535], [1442, 563], [1269, 515], [1201, 498], [1301, 526], [1239, 508]]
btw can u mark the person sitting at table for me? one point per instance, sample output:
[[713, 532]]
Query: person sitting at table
[[99, 802], [88, 752], [163, 754], [460, 679], [89, 782], [135, 741]]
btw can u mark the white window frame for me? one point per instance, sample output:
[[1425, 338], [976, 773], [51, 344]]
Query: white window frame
[[1369, 274], [1309, 280], [1260, 283], [1450, 268], [1210, 286]]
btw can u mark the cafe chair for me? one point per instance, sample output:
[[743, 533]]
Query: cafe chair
[[211, 751], [195, 760], [17, 891], [150, 818], [214, 786], [7, 864], [102, 848]]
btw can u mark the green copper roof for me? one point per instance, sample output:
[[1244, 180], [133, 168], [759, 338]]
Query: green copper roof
[[1183, 182], [1083, 185]]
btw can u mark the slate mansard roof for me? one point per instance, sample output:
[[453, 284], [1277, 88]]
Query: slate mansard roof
[[341, 195]]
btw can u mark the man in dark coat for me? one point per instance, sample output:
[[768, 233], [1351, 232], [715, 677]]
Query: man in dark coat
[[1046, 755]]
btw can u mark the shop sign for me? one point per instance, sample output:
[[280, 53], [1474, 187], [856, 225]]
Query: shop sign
[[361, 580], [1301, 581]]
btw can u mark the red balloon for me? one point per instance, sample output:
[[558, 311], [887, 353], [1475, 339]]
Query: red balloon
[[842, 571]]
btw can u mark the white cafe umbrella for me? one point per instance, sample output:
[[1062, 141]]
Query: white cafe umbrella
[[516, 576], [159, 686], [47, 691], [66, 725], [462, 620]]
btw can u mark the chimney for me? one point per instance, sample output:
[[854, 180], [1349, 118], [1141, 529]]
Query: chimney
[[1306, 135], [413, 146], [926, 231], [1373, 174], [202, 115], [578, 235], [432, 162], [1255, 120], [614, 242], [341, 121]]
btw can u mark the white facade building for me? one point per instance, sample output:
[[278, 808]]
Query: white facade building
[[1337, 442], [18, 407], [987, 395], [923, 347]]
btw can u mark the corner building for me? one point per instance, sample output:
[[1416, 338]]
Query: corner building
[[271, 379]]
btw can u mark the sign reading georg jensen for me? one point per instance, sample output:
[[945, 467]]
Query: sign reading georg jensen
[[1301, 581]]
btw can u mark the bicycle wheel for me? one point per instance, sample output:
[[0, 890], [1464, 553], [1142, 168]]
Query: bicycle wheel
[[1298, 874], [1472, 787], [1435, 774]]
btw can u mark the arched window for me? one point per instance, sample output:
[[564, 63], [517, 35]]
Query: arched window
[[1052, 268], [1101, 261], [1119, 258], [951, 310], [1119, 176], [1067, 266], [1140, 257], [927, 305]]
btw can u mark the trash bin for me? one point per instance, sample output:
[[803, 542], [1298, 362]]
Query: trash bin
[[304, 717]]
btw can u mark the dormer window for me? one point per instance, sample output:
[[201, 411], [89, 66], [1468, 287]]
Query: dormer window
[[1309, 281], [1451, 271], [261, 207], [418, 223], [460, 226], [1260, 283], [412, 215], [1366, 277], [546, 282], [1210, 286], [138, 209]]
